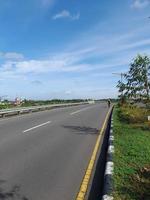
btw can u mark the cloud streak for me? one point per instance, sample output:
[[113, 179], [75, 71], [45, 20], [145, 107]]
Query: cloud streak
[[11, 56], [66, 14], [75, 61], [139, 4], [91, 58]]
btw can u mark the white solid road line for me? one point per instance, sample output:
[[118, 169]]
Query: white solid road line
[[36, 126], [80, 110]]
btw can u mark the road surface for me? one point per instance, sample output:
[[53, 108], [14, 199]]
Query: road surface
[[44, 155]]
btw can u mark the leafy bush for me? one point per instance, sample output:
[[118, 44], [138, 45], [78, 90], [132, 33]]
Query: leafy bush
[[133, 114], [4, 106]]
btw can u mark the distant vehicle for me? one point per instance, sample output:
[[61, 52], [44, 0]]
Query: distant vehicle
[[91, 102]]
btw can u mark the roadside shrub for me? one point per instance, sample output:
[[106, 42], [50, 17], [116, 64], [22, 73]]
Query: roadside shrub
[[140, 182], [3, 106], [133, 114], [144, 126]]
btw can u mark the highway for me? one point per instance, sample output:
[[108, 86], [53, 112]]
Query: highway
[[44, 155]]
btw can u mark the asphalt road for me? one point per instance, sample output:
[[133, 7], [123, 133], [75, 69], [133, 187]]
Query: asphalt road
[[44, 155]]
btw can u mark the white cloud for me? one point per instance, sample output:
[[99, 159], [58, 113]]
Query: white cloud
[[118, 52], [75, 60], [11, 56], [63, 14], [138, 4], [66, 14], [35, 67]]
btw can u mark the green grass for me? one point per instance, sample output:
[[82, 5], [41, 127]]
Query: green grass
[[131, 160]]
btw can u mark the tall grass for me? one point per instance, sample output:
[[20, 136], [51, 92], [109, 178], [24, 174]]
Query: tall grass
[[132, 156]]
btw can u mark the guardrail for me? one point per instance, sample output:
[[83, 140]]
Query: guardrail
[[23, 110]]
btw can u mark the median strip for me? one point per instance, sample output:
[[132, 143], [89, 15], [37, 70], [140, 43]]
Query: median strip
[[36, 126]]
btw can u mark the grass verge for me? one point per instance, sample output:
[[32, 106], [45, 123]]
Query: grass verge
[[132, 161]]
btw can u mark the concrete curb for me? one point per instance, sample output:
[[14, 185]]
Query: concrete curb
[[108, 179]]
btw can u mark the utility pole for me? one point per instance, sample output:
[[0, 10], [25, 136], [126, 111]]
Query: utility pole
[[121, 75], [121, 78]]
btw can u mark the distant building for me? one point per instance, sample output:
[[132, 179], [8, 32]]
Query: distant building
[[17, 101]]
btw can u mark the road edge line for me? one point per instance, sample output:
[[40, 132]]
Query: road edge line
[[86, 179]]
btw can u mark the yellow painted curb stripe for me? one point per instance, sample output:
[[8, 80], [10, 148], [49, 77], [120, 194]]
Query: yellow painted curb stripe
[[86, 179]]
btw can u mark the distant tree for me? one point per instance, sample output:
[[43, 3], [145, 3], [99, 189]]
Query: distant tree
[[122, 91], [138, 84], [137, 80]]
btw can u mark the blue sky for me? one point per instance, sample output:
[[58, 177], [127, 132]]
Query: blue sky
[[69, 49]]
